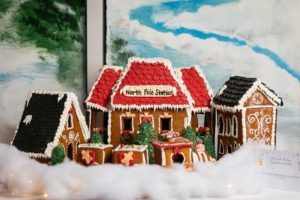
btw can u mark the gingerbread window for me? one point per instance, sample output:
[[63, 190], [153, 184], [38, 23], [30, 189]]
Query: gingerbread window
[[221, 125], [127, 123], [234, 126], [221, 147], [165, 124], [70, 122]]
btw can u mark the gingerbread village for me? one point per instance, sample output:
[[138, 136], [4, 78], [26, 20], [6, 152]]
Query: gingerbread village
[[146, 113]]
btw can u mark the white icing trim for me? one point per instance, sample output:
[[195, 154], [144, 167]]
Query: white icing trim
[[94, 145], [221, 132], [228, 127], [71, 100], [168, 65], [93, 105], [274, 127], [236, 127], [27, 119], [136, 148], [221, 147], [244, 125], [171, 158], [109, 127]]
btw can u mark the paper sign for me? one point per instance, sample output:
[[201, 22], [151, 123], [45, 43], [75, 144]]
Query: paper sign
[[280, 170]]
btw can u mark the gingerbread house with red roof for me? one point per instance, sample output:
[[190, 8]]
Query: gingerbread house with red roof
[[149, 88]]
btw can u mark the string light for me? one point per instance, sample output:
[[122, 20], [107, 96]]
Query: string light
[[229, 185], [45, 195], [29, 181]]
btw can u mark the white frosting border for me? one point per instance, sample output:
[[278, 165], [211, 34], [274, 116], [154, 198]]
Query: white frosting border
[[71, 99]]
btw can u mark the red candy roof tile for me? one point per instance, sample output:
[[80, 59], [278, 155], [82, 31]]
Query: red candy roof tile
[[198, 87], [149, 72], [101, 91]]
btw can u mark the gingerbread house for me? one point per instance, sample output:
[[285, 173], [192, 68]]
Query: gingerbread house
[[244, 109], [49, 119], [149, 88], [173, 150]]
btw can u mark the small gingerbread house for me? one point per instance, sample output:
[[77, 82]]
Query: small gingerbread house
[[173, 150], [129, 155], [49, 119], [244, 109], [149, 88], [94, 153]]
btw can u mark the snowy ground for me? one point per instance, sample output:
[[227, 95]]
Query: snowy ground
[[233, 177]]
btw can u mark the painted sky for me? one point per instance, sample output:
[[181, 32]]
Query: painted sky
[[225, 37]]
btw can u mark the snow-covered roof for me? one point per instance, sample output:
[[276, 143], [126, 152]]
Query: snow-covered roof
[[43, 121]]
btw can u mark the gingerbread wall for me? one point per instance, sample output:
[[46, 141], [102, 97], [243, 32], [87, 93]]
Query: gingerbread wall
[[227, 137], [73, 136], [178, 117]]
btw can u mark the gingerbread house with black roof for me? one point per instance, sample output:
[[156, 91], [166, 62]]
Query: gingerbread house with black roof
[[244, 110], [147, 88], [50, 119]]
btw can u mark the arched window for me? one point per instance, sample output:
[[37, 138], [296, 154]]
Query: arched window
[[221, 147], [221, 124], [70, 121], [235, 126], [228, 127]]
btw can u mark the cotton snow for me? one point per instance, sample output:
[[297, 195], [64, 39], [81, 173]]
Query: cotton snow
[[233, 174]]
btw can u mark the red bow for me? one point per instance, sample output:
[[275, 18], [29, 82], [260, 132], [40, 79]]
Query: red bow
[[146, 119]]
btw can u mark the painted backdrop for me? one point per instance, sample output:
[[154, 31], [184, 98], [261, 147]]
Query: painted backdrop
[[225, 37], [42, 46]]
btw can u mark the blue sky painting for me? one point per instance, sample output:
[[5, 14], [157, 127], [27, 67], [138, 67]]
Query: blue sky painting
[[225, 37]]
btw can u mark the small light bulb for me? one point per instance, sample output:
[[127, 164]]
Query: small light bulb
[[229, 185], [45, 195], [29, 181]]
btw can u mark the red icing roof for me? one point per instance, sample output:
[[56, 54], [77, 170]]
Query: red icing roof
[[149, 72], [197, 86], [100, 94]]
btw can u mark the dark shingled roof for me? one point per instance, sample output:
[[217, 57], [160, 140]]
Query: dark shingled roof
[[46, 111], [236, 88]]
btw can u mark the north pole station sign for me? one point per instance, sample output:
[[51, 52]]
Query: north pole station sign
[[148, 91]]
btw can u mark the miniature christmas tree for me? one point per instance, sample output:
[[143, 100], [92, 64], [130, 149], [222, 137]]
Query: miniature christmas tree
[[96, 137], [58, 155], [209, 146], [146, 134], [190, 134]]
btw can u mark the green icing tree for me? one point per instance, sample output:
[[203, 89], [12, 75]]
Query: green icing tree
[[146, 134], [58, 155], [209, 146], [190, 134], [119, 52], [96, 137]]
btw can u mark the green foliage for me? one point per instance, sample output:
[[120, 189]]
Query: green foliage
[[96, 137], [119, 51], [209, 146], [54, 26], [146, 134], [190, 134], [58, 155], [4, 5], [126, 137]]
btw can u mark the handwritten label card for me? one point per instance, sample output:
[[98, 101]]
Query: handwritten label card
[[280, 170]]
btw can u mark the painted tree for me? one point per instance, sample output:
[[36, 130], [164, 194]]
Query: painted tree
[[119, 53], [209, 146], [190, 134], [146, 134], [58, 155]]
